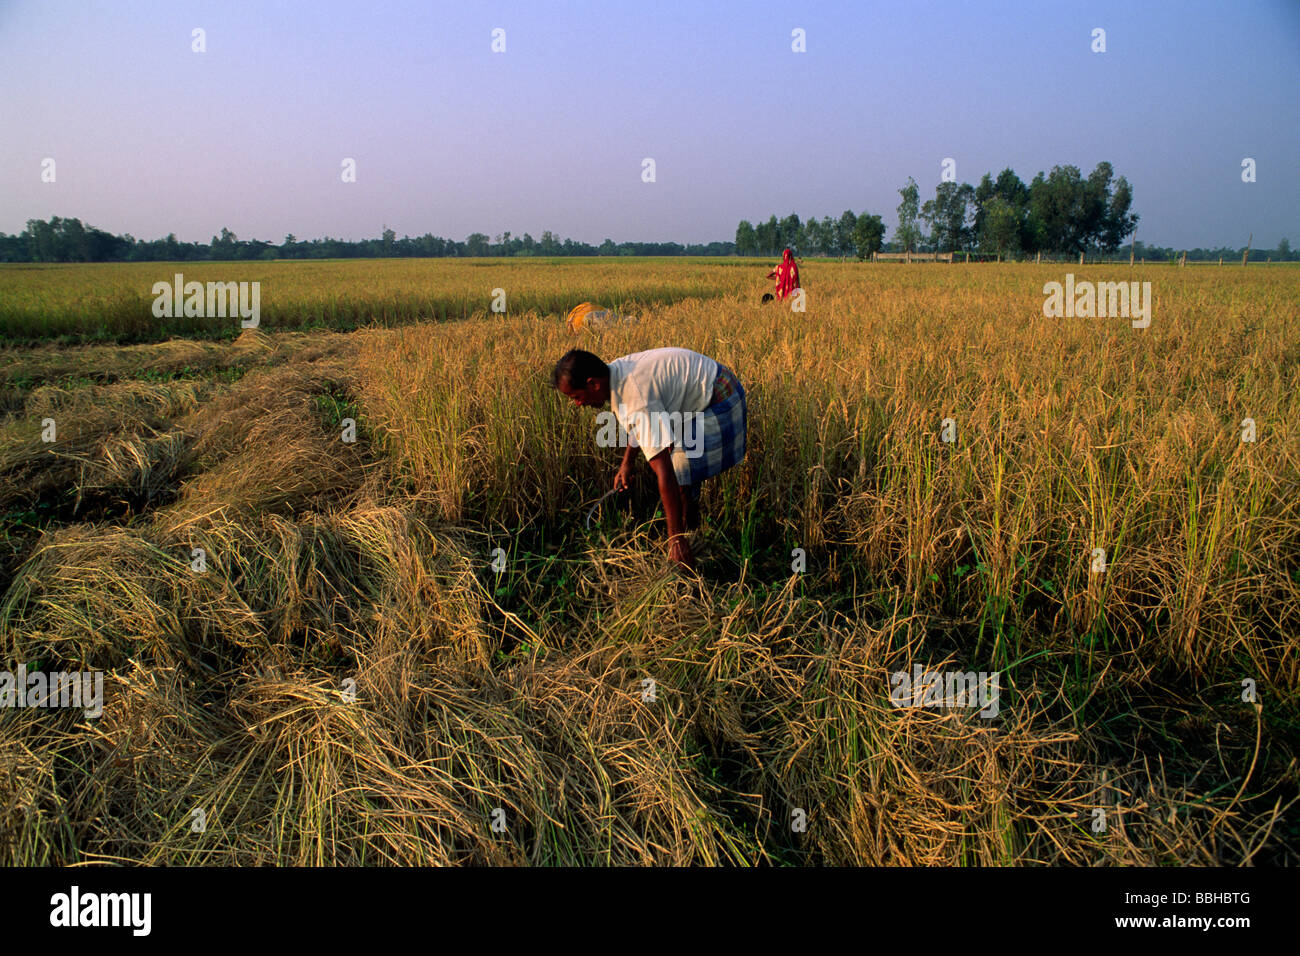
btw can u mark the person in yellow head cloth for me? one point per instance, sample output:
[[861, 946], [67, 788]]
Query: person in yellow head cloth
[[585, 315]]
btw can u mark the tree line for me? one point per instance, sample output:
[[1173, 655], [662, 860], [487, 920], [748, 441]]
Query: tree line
[[1061, 212], [68, 240]]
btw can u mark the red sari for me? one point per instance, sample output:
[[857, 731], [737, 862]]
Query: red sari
[[786, 275]]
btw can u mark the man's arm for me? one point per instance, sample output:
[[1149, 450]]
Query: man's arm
[[671, 496], [623, 477]]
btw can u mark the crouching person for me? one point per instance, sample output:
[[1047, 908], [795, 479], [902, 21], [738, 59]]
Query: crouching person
[[685, 411]]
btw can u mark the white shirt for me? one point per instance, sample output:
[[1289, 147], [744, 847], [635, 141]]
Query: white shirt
[[647, 388]]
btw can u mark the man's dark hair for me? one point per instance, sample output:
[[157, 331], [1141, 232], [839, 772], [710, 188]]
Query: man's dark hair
[[576, 366]]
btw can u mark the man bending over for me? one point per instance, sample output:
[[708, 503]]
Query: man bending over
[[685, 411]]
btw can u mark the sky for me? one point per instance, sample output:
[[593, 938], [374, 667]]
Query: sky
[[450, 137]]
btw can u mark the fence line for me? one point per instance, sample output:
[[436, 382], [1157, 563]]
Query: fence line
[[1057, 259], [911, 257]]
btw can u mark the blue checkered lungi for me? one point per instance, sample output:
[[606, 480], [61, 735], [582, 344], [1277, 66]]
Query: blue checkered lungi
[[722, 428]]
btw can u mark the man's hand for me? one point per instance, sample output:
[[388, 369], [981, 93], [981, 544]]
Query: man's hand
[[623, 477]]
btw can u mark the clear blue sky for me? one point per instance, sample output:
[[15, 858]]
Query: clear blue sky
[[451, 138]]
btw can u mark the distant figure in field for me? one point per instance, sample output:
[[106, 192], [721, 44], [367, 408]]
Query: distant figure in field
[[685, 411], [786, 275]]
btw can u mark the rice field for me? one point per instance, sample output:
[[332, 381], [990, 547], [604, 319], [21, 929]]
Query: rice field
[[409, 648], [114, 302]]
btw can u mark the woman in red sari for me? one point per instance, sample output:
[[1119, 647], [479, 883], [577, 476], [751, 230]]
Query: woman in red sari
[[786, 275]]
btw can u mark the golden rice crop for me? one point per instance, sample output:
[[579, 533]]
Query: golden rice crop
[[360, 676]]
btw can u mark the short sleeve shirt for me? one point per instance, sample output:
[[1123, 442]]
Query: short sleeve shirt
[[647, 388]]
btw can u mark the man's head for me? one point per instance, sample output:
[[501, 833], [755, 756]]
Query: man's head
[[583, 377]]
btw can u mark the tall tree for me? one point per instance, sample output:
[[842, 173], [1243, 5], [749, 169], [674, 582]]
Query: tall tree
[[224, 247], [746, 240], [1070, 214], [1007, 187], [769, 236], [868, 234], [950, 215], [828, 235], [812, 237], [1000, 231], [1093, 205], [844, 233], [1056, 207], [908, 234], [791, 233], [1118, 222]]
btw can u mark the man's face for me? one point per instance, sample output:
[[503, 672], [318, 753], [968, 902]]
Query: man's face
[[593, 394]]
